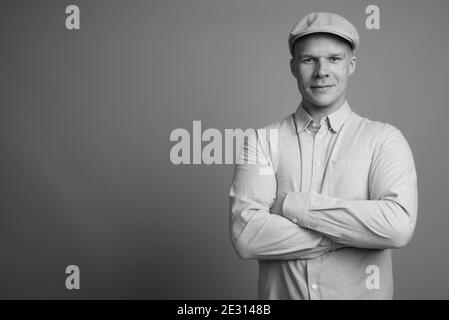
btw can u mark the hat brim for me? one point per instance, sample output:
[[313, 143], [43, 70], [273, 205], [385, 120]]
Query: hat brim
[[341, 35]]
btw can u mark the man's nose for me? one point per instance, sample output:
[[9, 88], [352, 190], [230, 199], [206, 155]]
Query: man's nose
[[322, 69]]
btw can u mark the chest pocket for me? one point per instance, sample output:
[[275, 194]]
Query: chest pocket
[[348, 179]]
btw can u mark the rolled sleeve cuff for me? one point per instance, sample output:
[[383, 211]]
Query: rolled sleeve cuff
[[296, 208]]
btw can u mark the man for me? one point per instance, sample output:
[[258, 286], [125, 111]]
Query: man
[[321, 204]]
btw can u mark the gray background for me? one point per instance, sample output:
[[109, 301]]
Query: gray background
[[85, 120]]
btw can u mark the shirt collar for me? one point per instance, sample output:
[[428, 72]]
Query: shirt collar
[[336, 119]]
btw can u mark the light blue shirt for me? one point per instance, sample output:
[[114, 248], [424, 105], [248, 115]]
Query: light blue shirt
[[320, 205]]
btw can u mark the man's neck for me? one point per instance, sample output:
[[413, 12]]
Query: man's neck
[[319, 112]]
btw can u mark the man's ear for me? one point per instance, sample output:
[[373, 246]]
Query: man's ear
[[293, 67], [352, 63]]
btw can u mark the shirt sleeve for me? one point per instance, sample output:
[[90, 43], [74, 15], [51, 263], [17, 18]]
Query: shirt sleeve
[[386, 220], [258, 230]]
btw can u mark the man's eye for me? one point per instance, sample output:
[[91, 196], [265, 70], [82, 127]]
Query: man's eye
[[307, 60], [335, 59]]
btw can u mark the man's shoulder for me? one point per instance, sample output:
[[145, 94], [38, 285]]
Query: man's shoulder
[[372, 127], [368, 127], [286, 123]]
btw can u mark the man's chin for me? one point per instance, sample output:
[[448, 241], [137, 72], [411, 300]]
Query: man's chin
[[321, 103]]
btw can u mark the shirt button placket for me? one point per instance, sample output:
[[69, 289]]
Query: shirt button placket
[[314, 292], [317, 165]]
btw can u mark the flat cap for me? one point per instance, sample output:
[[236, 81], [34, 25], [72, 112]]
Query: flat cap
[[317, 22]]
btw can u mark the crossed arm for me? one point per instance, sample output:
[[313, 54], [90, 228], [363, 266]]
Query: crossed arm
[[302, 225]]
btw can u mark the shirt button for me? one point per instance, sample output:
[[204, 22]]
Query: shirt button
[[295, 220], [314, 286], [318, 163]]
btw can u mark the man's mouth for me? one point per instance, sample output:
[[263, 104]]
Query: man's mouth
[[322, 86]]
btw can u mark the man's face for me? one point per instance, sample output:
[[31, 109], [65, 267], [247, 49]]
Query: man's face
[[322, 64]]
